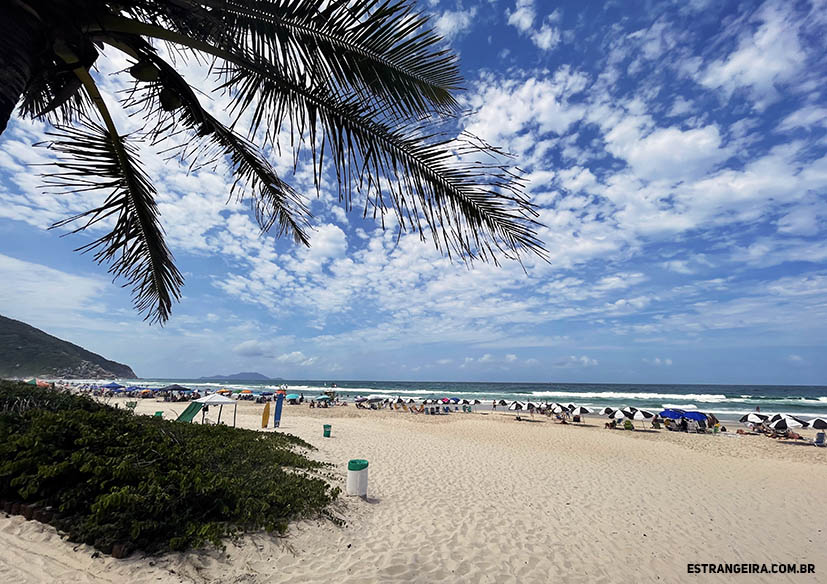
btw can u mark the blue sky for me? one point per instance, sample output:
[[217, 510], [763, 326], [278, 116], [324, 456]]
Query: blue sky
[[677, 153]]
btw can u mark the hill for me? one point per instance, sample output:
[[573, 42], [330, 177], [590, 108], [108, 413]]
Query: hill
[[244, 376], [26, 351]]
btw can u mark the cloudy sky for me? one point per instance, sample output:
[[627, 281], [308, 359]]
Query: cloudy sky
[[677, 153]]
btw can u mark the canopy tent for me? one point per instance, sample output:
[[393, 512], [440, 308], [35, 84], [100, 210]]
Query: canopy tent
[[215, 399], [175, 387], [112, 385]]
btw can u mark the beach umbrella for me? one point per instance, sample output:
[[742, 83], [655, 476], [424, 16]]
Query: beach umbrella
[[697, 416], [753, 418], [532, 405], [323, 398], [516, 406], [465, 402], [32, 381], [411, 400], [445, 400], [376, 398], [292, 396], [360, 399], [672, 414], [455, 400], [580, 410], [558, 408], [502, 402], [642, 415], [785, 423], [176, 387], [818, 424], [476, 402], [606, 411], [620, 414], [630, 411], [246, 391]]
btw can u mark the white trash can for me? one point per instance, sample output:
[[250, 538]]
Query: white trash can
[[357, 478]]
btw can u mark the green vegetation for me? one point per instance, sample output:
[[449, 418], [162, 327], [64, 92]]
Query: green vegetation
[[26, 351], [113, 478]]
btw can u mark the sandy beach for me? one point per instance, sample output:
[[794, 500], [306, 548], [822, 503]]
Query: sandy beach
[[482, 498]]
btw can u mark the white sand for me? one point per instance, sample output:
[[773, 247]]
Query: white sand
[[482, 498]]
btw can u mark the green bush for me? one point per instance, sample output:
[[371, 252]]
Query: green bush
[[152, 484]]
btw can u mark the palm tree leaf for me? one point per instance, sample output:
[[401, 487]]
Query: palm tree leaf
[[274, 201], [474, 207], [378, 47], [91, 158]]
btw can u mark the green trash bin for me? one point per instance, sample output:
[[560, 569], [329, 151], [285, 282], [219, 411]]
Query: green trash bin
[[357, 477], [327, 428]]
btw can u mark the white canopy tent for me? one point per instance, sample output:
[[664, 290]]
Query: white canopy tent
[[216, 399]]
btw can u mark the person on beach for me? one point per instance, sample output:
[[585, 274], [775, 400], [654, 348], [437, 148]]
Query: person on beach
[[494, 405]]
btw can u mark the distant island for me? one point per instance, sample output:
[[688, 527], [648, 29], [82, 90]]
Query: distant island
[[26, 351], [244, 376]]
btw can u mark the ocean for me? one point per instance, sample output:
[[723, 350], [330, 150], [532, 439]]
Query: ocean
[[725, 401]]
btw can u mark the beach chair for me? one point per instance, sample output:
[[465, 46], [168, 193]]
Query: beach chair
[[628, 425], [159, 414], [188, 414], [820, 440]]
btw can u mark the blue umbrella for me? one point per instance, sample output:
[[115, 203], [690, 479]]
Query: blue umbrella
[[697, 416], [323, 398], [671, 414]]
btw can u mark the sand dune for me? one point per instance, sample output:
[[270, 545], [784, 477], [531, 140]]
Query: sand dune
[[482, 498]]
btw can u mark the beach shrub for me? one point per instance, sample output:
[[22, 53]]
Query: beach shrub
[[154, 485]]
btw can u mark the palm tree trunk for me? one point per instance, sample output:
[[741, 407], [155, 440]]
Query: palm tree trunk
[[20, 36]]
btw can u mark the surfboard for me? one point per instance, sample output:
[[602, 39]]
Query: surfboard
[[277, 415], [265, 417]]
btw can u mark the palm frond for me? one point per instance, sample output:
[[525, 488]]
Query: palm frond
[[474, 207], [381, 49], [273, 200], [92, 158]]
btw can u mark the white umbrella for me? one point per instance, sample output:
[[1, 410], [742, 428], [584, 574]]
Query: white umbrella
[[515, 405], [606, 411], [784, 423], [753, 418], [580, 410], [642, 415], [817, 423]]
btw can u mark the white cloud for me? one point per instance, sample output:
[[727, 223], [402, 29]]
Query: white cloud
[[522, 17], [452, 23], [295, 358], [253, 348], [766, 58], [42, 296], [658, 362], [576, 362]]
